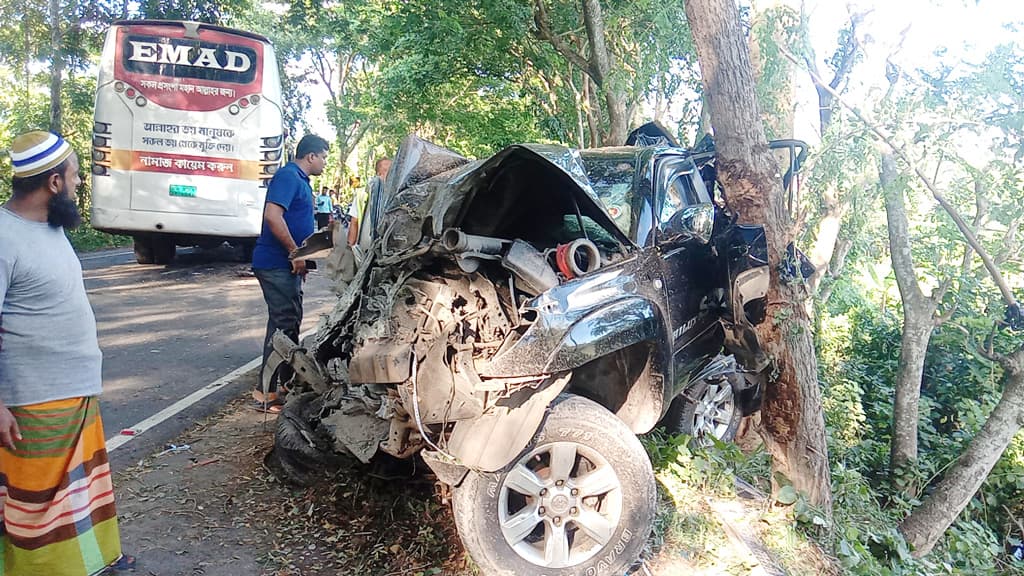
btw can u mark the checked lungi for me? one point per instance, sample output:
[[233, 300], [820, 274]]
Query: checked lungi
[[56, 495]]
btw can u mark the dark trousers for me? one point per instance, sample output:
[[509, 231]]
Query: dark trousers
[[282, 291], [322, 219]]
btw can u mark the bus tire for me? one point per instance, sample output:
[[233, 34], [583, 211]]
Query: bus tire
[[164, 250], [143, 250]]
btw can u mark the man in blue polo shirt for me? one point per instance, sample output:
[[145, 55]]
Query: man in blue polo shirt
[[287, 220]]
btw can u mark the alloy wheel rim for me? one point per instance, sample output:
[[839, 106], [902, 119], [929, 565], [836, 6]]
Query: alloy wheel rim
[[714, 411], [559, 505]]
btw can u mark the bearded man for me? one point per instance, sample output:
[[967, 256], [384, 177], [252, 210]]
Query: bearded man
[[57, 512]]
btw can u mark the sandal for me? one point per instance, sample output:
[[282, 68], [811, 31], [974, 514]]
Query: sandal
[[123, 565], [272, 407]]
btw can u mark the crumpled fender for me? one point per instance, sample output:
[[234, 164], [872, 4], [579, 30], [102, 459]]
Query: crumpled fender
[[605, 330], [550, 345], [490, 442]]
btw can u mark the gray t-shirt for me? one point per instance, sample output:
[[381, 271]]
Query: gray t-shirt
[[48, 347]]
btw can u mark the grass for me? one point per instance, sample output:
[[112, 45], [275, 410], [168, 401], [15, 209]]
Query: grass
[[85, 238]]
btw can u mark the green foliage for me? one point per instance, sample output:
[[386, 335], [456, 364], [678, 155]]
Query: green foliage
[[85, 238], [220, 12], [775, 25], [858, 359]]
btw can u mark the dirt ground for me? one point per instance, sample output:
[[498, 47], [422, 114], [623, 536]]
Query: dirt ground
[[215, 509]]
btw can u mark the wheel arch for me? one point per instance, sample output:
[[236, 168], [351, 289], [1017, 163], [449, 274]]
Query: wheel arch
[[629, 382]]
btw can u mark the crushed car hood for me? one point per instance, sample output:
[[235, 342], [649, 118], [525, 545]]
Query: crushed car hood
[[430, 189]]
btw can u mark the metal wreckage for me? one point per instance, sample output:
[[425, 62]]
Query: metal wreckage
[[518, 321]]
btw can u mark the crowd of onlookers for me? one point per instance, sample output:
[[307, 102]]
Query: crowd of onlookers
[[329, 205]]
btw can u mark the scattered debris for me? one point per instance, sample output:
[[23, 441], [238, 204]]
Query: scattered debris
[[202, 463], [173, 448]]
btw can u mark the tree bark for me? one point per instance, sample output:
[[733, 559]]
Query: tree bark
[[918, 312], [56, 68], [598, 65], [835, 268], [827, 237], [792, 414], [929, 521], [601, 62]]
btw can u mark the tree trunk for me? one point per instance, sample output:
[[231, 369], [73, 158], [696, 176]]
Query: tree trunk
[[794, 424], [601, 63], [918, 323], [826, 238], [56, 67], [928, 522], [917, 332], [704, 121], [835, 268], [593, 113]]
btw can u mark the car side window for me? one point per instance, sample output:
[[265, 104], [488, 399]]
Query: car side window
[[676, 189]]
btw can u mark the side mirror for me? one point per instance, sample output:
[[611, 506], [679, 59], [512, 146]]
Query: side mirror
[[692, 223]]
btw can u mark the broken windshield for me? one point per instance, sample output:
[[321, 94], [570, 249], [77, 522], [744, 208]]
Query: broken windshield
[[611, 177]]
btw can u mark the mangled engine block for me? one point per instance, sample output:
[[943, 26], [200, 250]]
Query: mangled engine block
[[413, 351]]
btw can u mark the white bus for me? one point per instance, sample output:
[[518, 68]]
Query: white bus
[[188, 131]]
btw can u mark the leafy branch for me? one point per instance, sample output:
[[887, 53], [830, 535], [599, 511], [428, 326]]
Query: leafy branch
[[897, 150]]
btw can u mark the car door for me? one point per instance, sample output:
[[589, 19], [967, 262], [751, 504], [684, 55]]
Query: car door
[[690, 270]]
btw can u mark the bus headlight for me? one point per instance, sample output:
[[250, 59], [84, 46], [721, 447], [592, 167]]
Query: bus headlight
[[101, 128], [233, 109], [98, 170], [273, 141], [272, 154], [270, 168]]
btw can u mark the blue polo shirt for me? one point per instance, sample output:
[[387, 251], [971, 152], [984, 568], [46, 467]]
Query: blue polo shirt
[[290, 189]]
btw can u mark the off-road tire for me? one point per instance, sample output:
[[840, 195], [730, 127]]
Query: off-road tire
[[593, 431], [301, 454], [682, 414]]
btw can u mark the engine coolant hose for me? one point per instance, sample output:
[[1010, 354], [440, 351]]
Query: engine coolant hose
[[577, 258]]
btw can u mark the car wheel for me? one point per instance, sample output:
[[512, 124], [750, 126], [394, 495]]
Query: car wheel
[[580, 499], [301, 454], [706, 410]]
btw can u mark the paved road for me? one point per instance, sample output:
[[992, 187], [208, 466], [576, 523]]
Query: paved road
[[166, 331]]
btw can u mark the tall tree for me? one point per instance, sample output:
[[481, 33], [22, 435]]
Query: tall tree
[[334, 39], [920, 318], [792, 416], [598, 64], [834, 200], [56, 66], [626, 51]]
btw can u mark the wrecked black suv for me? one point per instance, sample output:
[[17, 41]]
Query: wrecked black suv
[[517, 322]]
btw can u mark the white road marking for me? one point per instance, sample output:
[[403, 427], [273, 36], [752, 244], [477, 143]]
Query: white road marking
[[118, 440], [99, 256]]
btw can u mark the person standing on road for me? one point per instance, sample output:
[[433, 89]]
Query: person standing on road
[[324, 207], [287, 220], [57, 514], [365, 211]]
